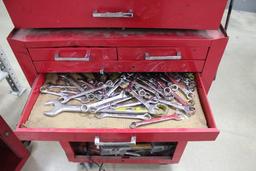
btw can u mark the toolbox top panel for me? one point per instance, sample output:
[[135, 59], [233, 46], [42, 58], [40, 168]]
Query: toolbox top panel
[[114, 37], [185, 14]]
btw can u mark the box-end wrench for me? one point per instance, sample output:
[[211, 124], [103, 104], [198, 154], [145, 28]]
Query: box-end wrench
[[176, 116]]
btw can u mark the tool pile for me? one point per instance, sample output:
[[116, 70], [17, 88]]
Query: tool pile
[[147, 97]]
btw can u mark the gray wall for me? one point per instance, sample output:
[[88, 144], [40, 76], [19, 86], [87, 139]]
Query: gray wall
[[245, 5]]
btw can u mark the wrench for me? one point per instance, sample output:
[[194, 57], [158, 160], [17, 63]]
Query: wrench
[[124, 116], [152, 109], [59, 107], [138, 85], [64, 87], [109, 105], [111, 91], [175, 116], [84, 93], [72, 81], [62, 94], [168, 91], [188, 110], [188, 94], [93, 106], [127, 105]]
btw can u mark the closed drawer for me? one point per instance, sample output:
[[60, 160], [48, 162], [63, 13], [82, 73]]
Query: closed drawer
[[34, 125], [183, 14], [73, 54], [162, 53]]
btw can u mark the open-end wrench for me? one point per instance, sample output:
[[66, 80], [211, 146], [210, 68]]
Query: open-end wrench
[[175, 116], [59, 108], [62, 94], [84, 93], [124, 116], [85, 108]]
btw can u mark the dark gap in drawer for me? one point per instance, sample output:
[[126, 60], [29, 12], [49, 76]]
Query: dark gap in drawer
[[142, 149]]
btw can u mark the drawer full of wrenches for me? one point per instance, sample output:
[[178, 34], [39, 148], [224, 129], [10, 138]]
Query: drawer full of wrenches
[[153, 107], [147, 98]]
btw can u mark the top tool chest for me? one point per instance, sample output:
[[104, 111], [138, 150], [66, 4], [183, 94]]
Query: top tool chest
[[159, 78], [174, 14]]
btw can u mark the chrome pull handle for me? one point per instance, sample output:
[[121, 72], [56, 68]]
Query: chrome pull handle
[[154, 58], [86, 58], [128, 14], [98, 143]]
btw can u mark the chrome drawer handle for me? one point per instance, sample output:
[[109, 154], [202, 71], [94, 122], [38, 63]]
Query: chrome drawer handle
[[97, 14], [98, 143], [154, 58], [86, 58]]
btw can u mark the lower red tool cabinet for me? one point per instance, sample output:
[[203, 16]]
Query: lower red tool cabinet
[[13, 154], [41, 52]]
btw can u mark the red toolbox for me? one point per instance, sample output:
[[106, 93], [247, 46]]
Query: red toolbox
[[13, 154], [44, 51], [185, 14]]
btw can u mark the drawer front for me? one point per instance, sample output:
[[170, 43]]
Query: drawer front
[[162, 53], [73, 54], [120, 66], [111, 134], [111, 13]]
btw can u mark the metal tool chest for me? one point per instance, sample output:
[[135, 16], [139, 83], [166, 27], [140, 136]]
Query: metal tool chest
[[120, 36]]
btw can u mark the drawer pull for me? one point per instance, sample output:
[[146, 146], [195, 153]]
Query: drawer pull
[[97, 14], [86, 58], [155, 58], [98, 143]]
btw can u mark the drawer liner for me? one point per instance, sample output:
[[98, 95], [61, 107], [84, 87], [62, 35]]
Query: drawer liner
[[76, 120]]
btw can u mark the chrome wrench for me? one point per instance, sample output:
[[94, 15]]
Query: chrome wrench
[[84, 93], [85, 108], [175, 116], [124, 116], [188, 110]]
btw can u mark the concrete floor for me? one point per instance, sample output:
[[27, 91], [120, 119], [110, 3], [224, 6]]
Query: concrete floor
[[232, 98]]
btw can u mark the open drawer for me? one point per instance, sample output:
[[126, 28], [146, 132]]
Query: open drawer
[[33, 125]]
